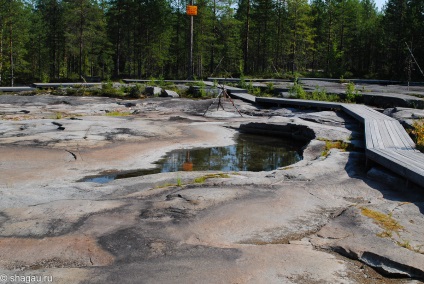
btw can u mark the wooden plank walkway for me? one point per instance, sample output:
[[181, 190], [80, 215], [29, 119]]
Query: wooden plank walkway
[[244, 97], [144, 81], [387, 142], [16, 89], [362, 112], [409, 164], [305, 103], [234, 90], [60, 85]]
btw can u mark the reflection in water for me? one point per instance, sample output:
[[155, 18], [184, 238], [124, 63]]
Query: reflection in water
[[251, 153], [187, 165]]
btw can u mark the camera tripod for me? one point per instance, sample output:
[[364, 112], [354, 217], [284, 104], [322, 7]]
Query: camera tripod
[[222, 95]]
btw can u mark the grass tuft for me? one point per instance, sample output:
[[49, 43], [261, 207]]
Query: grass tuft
[[334, 145], [405, 244], [164, 185], [320, 94], [202, 179], [418, 133], [118, 113], [385, 234], [385, 221]]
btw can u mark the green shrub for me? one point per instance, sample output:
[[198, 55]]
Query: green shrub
[[159, 82], [352, 94], [64, 92], [418, 133], [242, 83], [202, 89], [197, 90], [45, 78], [270, 88], [319, 94], [108, 90], [253, 90], [107, 86], [297, 91], [136, 91]]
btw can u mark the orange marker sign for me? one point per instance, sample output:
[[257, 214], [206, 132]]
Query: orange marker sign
[[191, 10]]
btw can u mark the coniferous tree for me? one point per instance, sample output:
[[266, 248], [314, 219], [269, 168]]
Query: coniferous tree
[[178, 48], [204, 37], [319, 21], [118, 16], [281, 42], [66, 39], [348, 35], [415, 38], [263, 32], [227, 39], [395, 29], [369, 40], [14, 26], [301, 36], [84, 36], [2, 37], [51, 13], [36, 46], [244, 15]]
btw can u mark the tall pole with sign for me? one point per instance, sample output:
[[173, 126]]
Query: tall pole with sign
[[191, 11]]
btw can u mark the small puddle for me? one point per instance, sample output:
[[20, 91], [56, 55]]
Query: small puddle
[[250, 153]]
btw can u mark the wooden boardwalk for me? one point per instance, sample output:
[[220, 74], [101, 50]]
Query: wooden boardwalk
[[63, 85], [303, 103], [387, 142], [16, 89]]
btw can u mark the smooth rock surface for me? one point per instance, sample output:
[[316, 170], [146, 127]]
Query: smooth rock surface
[[406, 116], [294, 224], [153, 91], [168, 93]]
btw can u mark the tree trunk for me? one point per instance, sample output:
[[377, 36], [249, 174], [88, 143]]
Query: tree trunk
[[211, 68], [81, 43], [12, 67], [294, 42], [329, 38], [1, 51], [279, 34], [246, 39], [118, 44], [342, 28]]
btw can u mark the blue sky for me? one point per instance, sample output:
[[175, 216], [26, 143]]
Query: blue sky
[[380, 4]]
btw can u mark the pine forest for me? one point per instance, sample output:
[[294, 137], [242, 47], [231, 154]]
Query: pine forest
[[62, 40]]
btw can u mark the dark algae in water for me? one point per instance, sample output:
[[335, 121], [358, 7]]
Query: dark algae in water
[[250, 153]]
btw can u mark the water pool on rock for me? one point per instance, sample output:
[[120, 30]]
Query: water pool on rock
[[250, 153]]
